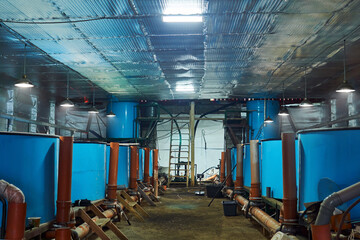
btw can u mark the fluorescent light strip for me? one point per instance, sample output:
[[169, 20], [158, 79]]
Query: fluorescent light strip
[[180, 19]]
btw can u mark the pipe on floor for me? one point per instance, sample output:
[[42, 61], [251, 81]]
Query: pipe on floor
[[289, 179], [147, 166], [82, 230], [113, 171], [222, 167], [255, 193], [229, 182], [15, 223], [239, 183], [133, 166], [156, 172], [271, 224], [321, 228], [63, 203]]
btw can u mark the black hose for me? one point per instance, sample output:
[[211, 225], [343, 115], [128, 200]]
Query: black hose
[[212, 111], [343, 217], [3, 218]]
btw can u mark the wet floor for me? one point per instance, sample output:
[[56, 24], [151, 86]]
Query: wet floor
[[183, 215]]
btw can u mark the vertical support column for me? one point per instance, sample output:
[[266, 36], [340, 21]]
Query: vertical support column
[[222, 167], [228, 168], [113, 170], [289, 180], [239, 183], [155, 173], [133, 158], [63, 203], [255, 193], [192, 142], [147, 166]]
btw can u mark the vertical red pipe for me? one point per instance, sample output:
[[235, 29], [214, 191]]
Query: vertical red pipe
[[62, 234], [222, 167], [147, 166], [289, 177], [155, 173], [113, 170], [228, 168], [15, 225], [239, 183], [133, 166], [63, 203], [255, 193]]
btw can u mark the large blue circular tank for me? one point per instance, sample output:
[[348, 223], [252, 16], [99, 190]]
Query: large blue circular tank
[[88, 171], [233, 163], [151, 168], [123, 124], [123, 165], [271, 165], [29, 161], [256, 119], [141, 163], [247, 166], [329, 161]]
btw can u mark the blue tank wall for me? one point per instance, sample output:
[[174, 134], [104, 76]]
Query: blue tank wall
[[247, 166], [141, 163], [329, 161], [151, 168], [123, 166], [271, 161], [88, 171], [30, 162], [256, 119], [122, 125], [233, 163]]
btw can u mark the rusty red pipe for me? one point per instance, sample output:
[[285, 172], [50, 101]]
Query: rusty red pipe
[[229, 181], [222, 167], [15, 223], [289, 178], [63, 203], [133, 166], [271, 224], [255, 193], [239, 183], [147, 166], [113, 170]]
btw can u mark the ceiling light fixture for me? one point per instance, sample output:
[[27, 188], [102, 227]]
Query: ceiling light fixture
[[182, 19], [93, 109], [185, 88], [268, 120], [111, 114], [305, 102], [345, 87], [283, 110], [67, 103], [24, 82]]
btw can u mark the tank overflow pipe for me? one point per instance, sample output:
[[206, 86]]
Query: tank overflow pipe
[[321, 228], [15, 227]]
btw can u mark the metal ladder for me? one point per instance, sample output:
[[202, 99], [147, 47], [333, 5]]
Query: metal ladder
[[179, 155]]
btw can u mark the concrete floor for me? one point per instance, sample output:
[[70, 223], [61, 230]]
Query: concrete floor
[[183, 215]]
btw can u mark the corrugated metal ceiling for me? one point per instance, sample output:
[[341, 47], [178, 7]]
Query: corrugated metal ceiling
[[242, 49]]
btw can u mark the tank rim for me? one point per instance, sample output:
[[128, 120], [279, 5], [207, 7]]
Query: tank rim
[[327, 130], [29, 134]]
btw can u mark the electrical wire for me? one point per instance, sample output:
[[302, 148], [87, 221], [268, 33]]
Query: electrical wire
[[343, 218]]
